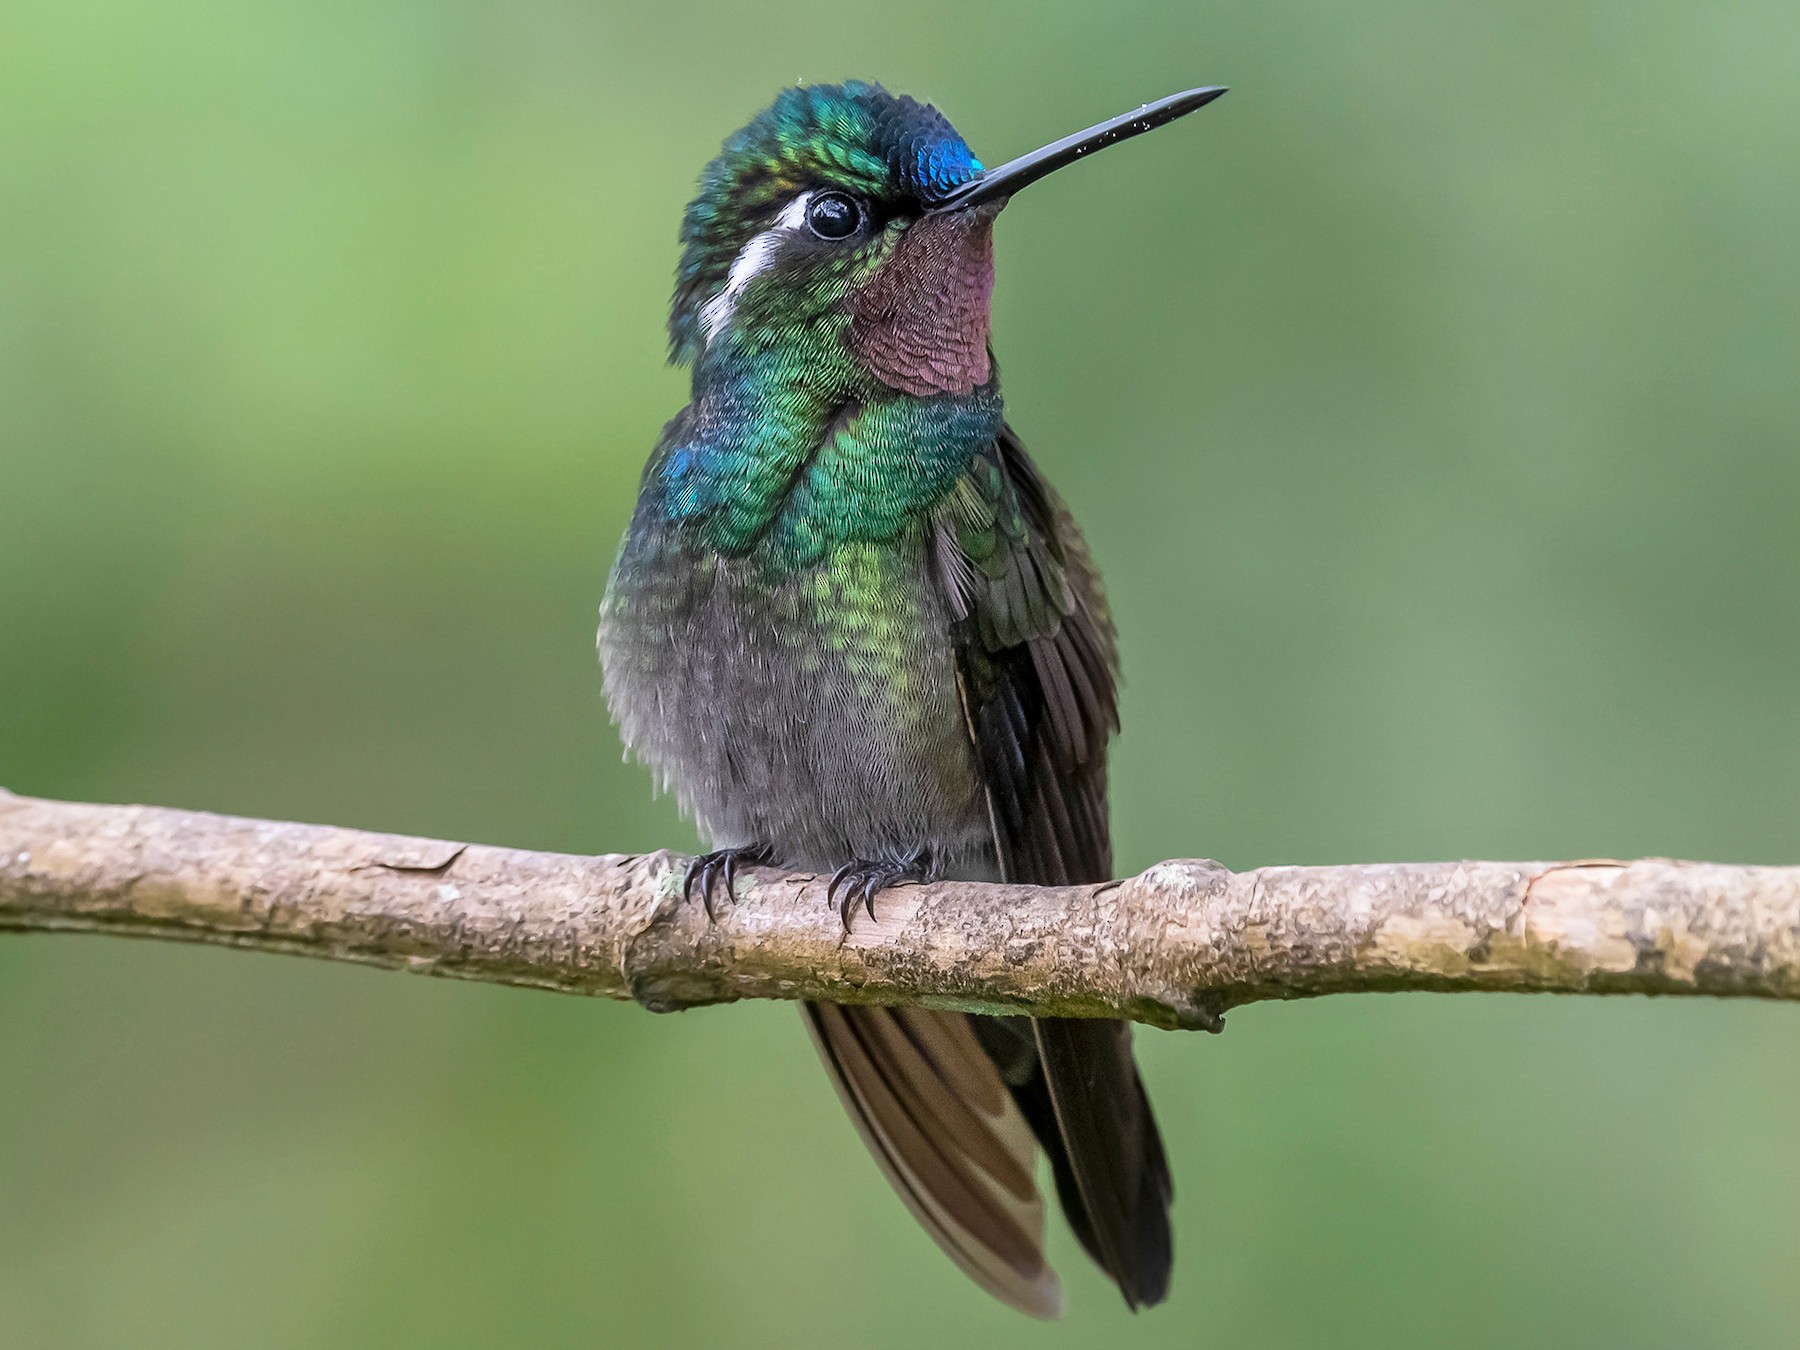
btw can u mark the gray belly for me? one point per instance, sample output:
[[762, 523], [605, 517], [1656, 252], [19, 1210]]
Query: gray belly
[[818, 714]]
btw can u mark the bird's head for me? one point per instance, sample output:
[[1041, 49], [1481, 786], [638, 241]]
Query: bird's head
[[852, 229]]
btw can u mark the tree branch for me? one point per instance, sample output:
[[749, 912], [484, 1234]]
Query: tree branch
[[1174, 947]]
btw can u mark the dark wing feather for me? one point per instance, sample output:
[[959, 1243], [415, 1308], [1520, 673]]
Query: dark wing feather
[[1037, 657], [1037, 665]]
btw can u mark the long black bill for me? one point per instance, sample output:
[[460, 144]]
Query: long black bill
[[1008, 178]]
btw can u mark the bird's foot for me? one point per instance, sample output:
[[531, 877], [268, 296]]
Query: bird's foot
[[863, 880], [709, 869]]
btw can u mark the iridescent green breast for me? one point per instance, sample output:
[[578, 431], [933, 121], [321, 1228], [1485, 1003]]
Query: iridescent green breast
[[788, 479]]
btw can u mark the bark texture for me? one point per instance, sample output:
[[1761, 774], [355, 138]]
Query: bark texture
[[1175, 946]]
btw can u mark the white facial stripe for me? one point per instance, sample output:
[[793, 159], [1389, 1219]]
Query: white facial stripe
[[756, 255], [753, 258], [793, 215]]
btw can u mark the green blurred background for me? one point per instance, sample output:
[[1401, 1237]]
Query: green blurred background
[[1432, 404]]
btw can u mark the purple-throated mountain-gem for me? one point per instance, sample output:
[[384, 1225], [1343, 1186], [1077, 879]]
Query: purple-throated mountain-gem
[[855, 630]]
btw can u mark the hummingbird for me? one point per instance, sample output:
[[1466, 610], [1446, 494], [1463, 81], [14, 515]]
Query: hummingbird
[[855, 631]]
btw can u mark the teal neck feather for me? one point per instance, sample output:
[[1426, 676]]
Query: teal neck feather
[[775, 454]]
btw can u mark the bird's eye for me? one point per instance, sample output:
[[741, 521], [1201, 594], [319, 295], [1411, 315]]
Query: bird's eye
[[834, 215]]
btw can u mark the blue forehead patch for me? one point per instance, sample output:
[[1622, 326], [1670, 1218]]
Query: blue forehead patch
[[943, 164]]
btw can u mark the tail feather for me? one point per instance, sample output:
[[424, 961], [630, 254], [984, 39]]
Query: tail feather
[[1110, 1153], [934, 1112], [1077, 1086]]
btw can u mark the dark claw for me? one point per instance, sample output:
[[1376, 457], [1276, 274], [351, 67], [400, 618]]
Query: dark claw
[[696, 870], [838, 878], [862, 880], [707, 869], [709, 877]]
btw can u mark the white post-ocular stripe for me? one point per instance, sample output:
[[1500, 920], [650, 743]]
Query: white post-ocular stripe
[[753, 258]]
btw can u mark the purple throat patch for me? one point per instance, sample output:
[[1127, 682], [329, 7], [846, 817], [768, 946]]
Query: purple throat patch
[[921, 324]]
